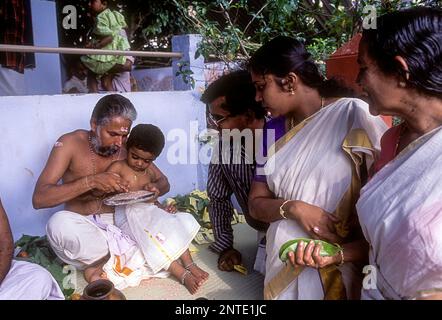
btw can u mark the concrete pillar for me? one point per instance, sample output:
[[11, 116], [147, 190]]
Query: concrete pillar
[[47, 66], [187, 45]]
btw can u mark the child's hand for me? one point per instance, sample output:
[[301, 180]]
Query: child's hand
[[171, 208], [152, 188]]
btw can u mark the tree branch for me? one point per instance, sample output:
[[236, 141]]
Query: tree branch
[[227, 16], [257, 14]]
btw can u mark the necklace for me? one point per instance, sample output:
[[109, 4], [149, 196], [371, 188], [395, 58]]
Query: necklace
[[402, 130], [99, 200], [292, 121], [141, 175]]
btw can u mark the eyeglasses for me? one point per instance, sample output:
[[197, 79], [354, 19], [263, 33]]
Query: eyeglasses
[[216, 119]]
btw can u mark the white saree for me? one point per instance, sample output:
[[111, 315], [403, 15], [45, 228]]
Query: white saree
[[318, 162], [400, 211]]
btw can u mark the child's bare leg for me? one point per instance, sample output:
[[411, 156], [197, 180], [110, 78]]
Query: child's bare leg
[[184, 276], [106, 82], [188, 263], [92, 83], [95, 271]]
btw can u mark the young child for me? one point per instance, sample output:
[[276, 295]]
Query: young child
[[110, 34], [163, 237], [77, 82]]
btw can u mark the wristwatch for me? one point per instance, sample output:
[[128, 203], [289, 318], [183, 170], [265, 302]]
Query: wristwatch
[[281, 209]]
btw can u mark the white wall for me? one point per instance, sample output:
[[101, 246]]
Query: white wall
[[31, 124]]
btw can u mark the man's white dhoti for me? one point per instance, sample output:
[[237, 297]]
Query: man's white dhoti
[[81, 241], [76, 240], [29, 281]]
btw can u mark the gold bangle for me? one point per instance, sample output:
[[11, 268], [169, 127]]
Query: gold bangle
[[281, 210], [342, 257]]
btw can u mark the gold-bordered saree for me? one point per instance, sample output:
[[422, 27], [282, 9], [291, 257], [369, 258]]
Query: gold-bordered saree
[[319, 161]]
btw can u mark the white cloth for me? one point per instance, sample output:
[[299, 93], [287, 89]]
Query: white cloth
[[81, 241], [12, 83], [76, 240], [126, 266], [260, 259], [29, 281], [312, 167], [76, 83], [162, 237], [400, 211]]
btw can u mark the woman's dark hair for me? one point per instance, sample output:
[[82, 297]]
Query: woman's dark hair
[[416, 35], [239, 91], [283, 55], [146, 137]]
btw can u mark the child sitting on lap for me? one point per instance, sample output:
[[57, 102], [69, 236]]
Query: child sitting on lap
[[162, 236]]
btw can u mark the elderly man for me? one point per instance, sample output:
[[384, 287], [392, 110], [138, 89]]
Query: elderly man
[[79, 159], [232, 105], [21, 280]]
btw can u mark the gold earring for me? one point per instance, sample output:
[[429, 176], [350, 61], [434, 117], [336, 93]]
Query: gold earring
[[402, 84], [291, 91]]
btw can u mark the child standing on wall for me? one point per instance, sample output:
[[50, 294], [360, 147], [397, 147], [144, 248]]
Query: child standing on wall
[[162, 234], [110, 34]]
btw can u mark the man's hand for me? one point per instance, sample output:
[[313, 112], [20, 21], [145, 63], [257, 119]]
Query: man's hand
[[109, 182], [228, 258]]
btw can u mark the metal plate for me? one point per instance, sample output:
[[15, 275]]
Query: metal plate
[[129, 198]]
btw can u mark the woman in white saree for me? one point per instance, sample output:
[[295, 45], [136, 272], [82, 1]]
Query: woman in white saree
[[311, 180], [400, 208]]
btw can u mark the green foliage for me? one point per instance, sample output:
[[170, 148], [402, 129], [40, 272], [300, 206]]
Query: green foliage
[[195, 203], [37, 250], [185, 73], [233, 30]]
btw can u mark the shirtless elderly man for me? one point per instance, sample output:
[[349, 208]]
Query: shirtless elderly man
[[79, 159]]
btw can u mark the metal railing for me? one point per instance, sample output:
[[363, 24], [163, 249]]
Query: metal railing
[[35, 49]]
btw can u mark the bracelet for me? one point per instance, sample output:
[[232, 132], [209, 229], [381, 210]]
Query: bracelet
[[185, 274], [342, 257], [281, 210], [189, 265]]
